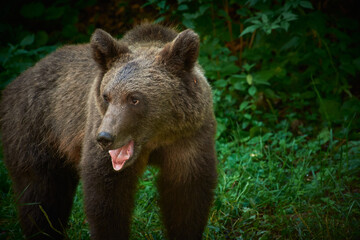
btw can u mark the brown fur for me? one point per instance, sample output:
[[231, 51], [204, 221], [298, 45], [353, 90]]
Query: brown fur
[[146, 87]]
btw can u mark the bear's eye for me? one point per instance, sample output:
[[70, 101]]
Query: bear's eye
[[134, 101], [106, 98]]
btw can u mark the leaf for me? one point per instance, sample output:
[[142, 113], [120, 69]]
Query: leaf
[[264, 18], [267, 29], [242, 12], [247, 116], [307, 95], [237, 81], [41, 38], [239, 86], [356, 62], [252, 90], [324, 136], [245, 124], [269, 93], [53, 13], [248, 67], [69, 31], [229, 69], [244, 105], [261, 82], [162, 4], [275, 26], [28, 40], [285, 25], [160, 19], [350, 107], [251, 2], [183, 7], [280, 72], [264, 76], [32, 10], [220, 83], [328, 200], [249, 29], [306, 4], [330, 109], [349, 68], [256, 22], [203, 8], [258, 131], [289, 16], [190, 15], [189, 23], [249, 79], [292, 43], [238, 76], [220, 128]]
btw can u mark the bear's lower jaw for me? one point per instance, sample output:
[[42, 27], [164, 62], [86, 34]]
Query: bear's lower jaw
[[121, 155]]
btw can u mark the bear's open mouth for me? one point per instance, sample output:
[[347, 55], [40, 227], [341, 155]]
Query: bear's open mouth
[[121, 155]]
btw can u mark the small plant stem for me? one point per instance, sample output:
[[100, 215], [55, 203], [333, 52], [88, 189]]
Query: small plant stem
[[327, 226], [228, 21], [272, 110], [252, 39], [241, 44], [47, 218], [331, 60], [303, 221], [320, 100], [213, 19]]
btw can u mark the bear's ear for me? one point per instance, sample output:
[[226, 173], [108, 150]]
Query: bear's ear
[[181, 53], [106, 49]]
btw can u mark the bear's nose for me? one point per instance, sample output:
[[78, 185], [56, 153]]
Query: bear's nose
[[105, 139]]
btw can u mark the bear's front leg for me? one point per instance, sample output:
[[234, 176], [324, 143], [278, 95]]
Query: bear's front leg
[[186, 184], [108, 196]]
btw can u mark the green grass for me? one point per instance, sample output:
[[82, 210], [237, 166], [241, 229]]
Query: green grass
[[281, 186], [274, 186]]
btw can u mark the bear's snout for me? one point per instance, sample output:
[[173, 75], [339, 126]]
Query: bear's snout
[[105, 139]]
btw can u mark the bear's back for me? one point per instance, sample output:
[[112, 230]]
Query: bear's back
[[48, 101]]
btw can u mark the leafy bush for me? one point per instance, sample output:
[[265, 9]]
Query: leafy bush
[[270, 62]]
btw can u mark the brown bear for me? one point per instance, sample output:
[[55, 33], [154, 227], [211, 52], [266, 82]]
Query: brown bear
[[101, 112]]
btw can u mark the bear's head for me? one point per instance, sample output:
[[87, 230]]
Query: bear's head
[[148, 94]]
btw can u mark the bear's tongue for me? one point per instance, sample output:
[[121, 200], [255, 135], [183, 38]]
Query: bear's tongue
[[121, 155]]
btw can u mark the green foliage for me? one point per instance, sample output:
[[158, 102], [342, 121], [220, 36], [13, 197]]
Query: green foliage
[[281, 186], [22, 46], [272, 20], [17, 58], [286, 95]]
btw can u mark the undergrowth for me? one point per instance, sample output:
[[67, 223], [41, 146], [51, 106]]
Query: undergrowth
[[274, 186]]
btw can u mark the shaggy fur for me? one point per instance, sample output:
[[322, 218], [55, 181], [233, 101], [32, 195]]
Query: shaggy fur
[[60, 118]]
